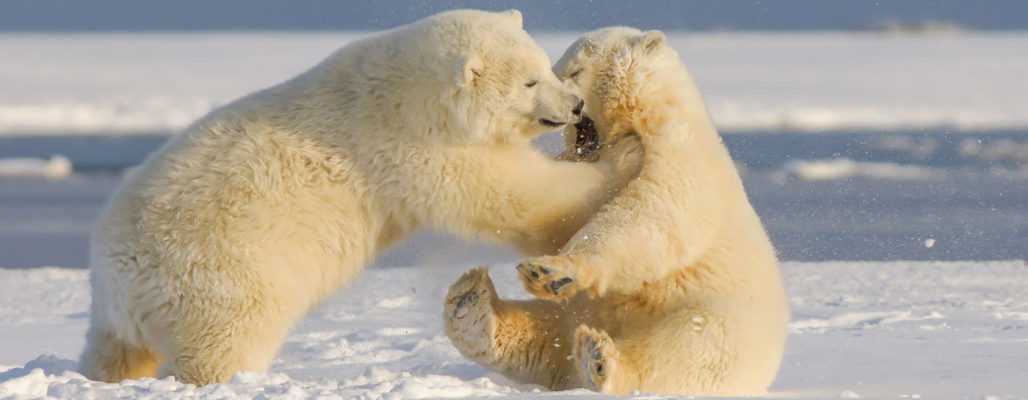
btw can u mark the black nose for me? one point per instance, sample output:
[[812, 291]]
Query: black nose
[[578, 108]]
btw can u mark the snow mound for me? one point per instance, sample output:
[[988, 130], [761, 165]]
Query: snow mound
[[54, 168], [858, 320], [843, 168]]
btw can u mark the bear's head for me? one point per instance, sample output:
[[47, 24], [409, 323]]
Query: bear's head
[[613, 69], [484, 78]]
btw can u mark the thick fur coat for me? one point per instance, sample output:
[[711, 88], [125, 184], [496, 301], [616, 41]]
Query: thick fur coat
[[214, 248], [673, 287]]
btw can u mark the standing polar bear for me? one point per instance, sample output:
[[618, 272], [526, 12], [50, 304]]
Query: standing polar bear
[[213, 249], [673, 287]]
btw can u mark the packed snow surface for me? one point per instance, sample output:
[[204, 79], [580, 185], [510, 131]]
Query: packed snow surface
[[157, 82], [859, 330]]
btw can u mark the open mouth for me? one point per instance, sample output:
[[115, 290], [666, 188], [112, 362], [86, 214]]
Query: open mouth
[[587, 139], [551, 123]]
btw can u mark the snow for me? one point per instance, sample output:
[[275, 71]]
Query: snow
[[842, 168], [859, 330], [55, 167], [132, 83]]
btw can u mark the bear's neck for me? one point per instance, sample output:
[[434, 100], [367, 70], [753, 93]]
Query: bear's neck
[[669, 100]]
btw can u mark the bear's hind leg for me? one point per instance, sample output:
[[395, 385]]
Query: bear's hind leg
[[519, 339], [600, 365], [110, 359]]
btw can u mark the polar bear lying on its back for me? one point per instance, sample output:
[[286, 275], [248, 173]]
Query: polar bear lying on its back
[[673, 287], [213, 249]]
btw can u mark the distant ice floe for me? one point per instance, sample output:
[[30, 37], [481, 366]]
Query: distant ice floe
[[1003, 150], [144, 115], [167, 115], [843, 168], [730, 115], [55, 167], [921, 148]]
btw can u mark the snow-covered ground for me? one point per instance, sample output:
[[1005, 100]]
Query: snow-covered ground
[[159, 82], [870, 330]]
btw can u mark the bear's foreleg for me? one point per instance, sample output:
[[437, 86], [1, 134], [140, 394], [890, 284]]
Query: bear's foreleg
[[219, 339], [520, 196], [110, 359]]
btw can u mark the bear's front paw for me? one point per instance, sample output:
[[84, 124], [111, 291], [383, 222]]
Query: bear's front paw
[[550, 278]]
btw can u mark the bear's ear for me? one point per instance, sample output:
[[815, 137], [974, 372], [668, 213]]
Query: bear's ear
[[587, 47], [514, 16], [468, 69], [651, 40]]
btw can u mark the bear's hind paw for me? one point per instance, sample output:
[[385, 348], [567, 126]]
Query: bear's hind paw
[[469, 316], [596, 358]]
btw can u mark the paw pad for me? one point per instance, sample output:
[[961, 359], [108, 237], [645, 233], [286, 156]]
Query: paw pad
[[597, 358], [462, 304], [547, 282], [555, 286]]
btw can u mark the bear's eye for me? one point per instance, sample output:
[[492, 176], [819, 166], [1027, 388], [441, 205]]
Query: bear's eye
[[574, 75], [531, 83]]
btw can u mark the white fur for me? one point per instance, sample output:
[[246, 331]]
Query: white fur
[[212, 250], [675, 285]]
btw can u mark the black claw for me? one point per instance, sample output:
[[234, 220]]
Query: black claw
[[556, 285], [464, 300], [535, 275], [545, 271]]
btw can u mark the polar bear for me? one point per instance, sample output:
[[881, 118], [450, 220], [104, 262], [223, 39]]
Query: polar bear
[[673, 287], [212, 250]]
